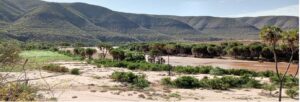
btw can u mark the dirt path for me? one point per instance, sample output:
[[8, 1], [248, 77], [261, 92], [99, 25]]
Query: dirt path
[[230, 63]]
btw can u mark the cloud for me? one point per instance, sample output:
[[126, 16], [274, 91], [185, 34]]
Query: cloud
[[292, 10]]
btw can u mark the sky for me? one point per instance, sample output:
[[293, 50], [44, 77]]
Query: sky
[[219, 8]]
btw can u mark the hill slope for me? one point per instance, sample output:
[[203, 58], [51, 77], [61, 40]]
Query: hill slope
[[34, 20]]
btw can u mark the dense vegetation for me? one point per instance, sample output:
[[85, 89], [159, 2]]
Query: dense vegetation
[[71, 23], [222, 83], [145, 66], [252, 51]]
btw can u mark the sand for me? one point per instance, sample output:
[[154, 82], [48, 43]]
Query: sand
[[94, 84]]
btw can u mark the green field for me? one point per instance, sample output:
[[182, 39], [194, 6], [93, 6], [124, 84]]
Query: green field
[[37, 59], [40, 56]]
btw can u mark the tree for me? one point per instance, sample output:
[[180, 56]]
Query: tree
[[266, 53], [153, 54], [117, 54], [105, 48], [255, 49], [271, 35], [199, 50], [9, 53], [291, 39], [170, 49], [234, 51], [80, 51], [90, 52]]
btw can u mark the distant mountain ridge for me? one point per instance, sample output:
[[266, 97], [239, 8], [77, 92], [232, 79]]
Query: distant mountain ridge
[[35, 20]]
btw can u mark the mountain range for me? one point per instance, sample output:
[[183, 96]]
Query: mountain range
[[35, 20]]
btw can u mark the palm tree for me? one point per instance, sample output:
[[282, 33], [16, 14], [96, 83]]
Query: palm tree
[[271, 35]]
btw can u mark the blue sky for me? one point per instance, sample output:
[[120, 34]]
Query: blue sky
[[221, 8]]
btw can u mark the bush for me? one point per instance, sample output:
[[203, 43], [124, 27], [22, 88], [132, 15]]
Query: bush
[[129, 77], [140, 82], [289, 81], [134, 57], [75, 71], [269, 87], [292, 92], [187, 82], [167, 81], [215, 83], [241, 72], [253, 84], [17, 92], [267, 73], [233, 82], [217, 71], [124, 76], [132, 66], [55, 68]]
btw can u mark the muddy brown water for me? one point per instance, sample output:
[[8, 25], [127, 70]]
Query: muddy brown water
[[231, 63]]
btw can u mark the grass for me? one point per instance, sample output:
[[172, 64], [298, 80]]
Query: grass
[[44, 56], [37, 59]]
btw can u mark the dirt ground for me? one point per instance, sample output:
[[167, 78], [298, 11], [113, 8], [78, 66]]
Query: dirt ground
[[94, 84], [231, 63]]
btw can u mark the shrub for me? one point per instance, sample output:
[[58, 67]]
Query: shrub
[[140, 82], [215, 83], [241, 72], [17, 92], [217, 71], [269, 87], [253, 84], [204, 69], [132, 66], [134, 57], [232, 81], [75, 71], [129, 77], [187, 82], [289, 81], [292, 92], [124, 76], [55, 68], [167, 81], [267, 73]]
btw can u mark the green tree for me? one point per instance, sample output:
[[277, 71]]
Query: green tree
[[9, 53], [105, 49], [117, 54], [271, 35], [255, 49], [90, 52], [199, 50], [291, 39], [170, 49], [80, 51]]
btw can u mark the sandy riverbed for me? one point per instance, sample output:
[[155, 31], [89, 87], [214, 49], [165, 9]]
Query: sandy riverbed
[[94, 84]]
